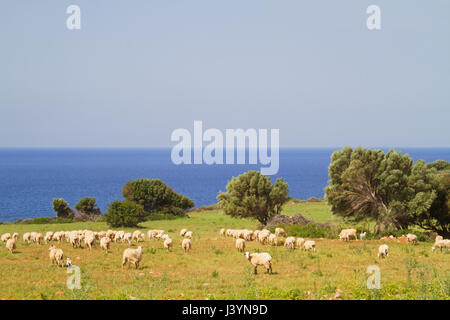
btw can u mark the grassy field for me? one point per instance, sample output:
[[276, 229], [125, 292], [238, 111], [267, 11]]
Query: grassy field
[[214, 269]]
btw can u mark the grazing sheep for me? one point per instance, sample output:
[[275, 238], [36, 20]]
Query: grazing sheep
[[127, 237], [279, 232], [26, 237], [132, 256], [56, 256], [48, 236], [104, 243], [411, 238], [164, 236], [438, 238], [272, 239], [182, 232], [89, 241], [11, 245], [68, 262], [5, 237], [309, 245], [289, 243], [38, 238], [222, 232], [300, 242], [240, 245], [138, 236], [383, 251], [362, 235], [74, 239], [248, 235], [186, 245], [15, 236], [445, 243], [260, 259], [119, 235], [263, 236], [346, 233], [151, 234], [188, 234], [168, 243]]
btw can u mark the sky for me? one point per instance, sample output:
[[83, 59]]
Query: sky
[[137, 70]]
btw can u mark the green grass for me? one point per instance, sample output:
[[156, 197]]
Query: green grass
[[214, 269]]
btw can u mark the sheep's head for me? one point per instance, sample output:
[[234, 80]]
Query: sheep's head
[[52, 247], [247, 255]]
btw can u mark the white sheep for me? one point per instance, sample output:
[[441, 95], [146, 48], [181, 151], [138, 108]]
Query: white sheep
[[132, 256], [26, 237], [138, 236], [260, 259], [279, 232], [289, 243], [309, 245], [263, 236], [438, 238], [300, 242], [383, 251], [104, 243], [362, 235], [15, 236], [56, 256], [445, 243], [48, 236], [5, 237], [89, 240], [182, 232], [240, 245], [127, 237], [119, 235], [11, 245], [222, 232], [186, 245], [38, 238], [411, 238], [188, 234], [168, 243], [346, 233]]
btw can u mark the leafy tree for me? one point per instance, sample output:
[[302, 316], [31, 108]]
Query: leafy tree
[[155, 195], [437, 218], [387, 188], [89, 206], [124, 214], [439, 165], [62, 209], [253, 195]]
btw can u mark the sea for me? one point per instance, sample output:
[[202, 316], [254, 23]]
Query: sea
[[30, 178]]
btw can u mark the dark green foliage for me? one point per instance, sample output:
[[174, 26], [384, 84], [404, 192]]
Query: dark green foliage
[[253, 195], [88, 205], [311, 231], [45, 220], [389, 189], [439, 165], [62, 209], [124, 214], [154, 195]]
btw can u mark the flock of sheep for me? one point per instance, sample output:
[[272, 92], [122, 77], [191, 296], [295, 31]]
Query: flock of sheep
[[90, 238], [133, 256]]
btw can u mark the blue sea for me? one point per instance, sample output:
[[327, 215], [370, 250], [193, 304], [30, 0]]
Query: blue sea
[[31, 178]]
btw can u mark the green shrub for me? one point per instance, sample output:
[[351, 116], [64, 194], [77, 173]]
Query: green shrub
[[125, 214], [154, 195], [44, 220], [61, 207], [88, 205], [311, 231]]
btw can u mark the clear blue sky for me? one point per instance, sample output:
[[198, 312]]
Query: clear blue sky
[[137, 70]]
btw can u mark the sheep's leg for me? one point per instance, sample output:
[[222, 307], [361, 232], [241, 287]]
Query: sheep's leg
[[255, 272]]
